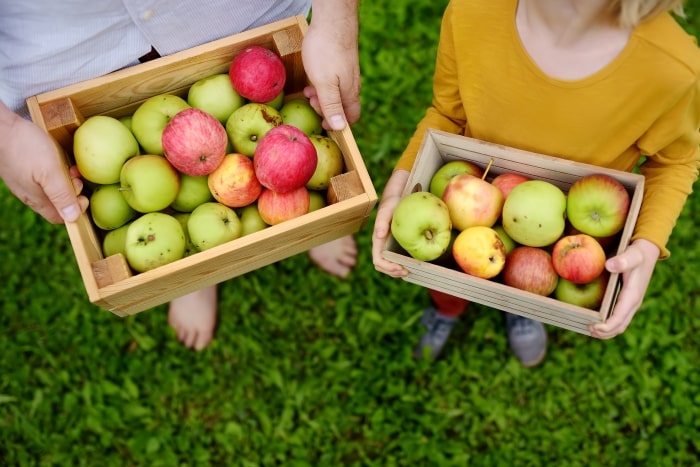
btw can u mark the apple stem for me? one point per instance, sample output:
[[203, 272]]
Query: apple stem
[[486, 170]]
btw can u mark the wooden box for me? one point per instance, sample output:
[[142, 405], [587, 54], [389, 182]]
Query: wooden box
[[108, 281], [439, 147]]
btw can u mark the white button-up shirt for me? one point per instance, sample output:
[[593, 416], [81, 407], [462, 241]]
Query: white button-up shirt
[[45, 44]]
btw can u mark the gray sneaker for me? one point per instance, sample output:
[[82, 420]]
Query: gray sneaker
[[527, 338], [438, 331]]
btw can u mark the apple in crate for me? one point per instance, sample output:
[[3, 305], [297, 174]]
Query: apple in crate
[[299, 113], [149, 183], [114, 241], [258, 74], [194, 142], [317, 200], [530, 268], [505, 238], [151, 117], [422, 225], [507, 181], [234, 182], [449, 169], [597, 205], [153, 240], [212, 224], [285, 159], [578, 258], [101, 145], [109, 208], [194, 190], [329, 162], [479, 252], [533, 213], [276, 207], [248, 124], [472, 201], [589, 295], [251, 220], [215, 95]]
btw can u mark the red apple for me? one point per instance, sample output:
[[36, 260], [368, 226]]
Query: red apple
[[194, 142], [233, 183], [258, 74], [530, 268], [284, 159], [275, 207], [597, 205], [472, 201], [589, 295], [506, 181], [578, 258]]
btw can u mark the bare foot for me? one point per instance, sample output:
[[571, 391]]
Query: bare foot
[[336, 257], [193, 317]]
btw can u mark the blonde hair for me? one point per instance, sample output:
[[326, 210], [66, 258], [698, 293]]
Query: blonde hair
[[632, 12]]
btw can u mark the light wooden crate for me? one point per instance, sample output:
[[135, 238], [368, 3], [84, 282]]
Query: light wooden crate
[[109, 282], [439, 147]]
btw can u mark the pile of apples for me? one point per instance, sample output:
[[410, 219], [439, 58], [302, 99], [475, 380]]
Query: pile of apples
[[525, 233], [182, 175]]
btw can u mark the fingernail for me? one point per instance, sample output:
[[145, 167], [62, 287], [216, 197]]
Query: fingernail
[[70, 213], [337, 122]]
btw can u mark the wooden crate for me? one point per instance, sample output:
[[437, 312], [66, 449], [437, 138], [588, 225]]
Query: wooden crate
[[109, 282], [439, 147]]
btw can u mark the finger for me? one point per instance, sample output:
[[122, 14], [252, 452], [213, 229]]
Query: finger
[[331, 105], [62, 196], [624, 262]]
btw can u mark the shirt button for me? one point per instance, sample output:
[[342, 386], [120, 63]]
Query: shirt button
[[146, 15]]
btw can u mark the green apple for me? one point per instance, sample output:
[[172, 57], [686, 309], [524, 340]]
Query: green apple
[[194, 190], [149, 183], [101, 145], [114, 241], [251, 221], [597, 205], [183, 217], [317, 200], [248, 124], [444, 174], [126, 120], [153, 240], [150, 118], [299, 113], [215, 95], [589, 295], [277, 102], [212, 224], [109, 208], [329, 162], [505, 238], [534, 213], [422, 226]]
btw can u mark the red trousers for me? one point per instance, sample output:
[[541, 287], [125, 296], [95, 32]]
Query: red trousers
[[448, 305]]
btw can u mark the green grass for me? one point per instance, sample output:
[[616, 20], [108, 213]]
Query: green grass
[[307, 369]]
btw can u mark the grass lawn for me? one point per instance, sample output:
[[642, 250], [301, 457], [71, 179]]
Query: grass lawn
[[311, 370]]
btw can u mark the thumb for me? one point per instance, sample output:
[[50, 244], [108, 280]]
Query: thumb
[[330, 101], [61, 195], [629, 259]]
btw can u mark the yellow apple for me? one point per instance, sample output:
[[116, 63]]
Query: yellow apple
[[479, 251]]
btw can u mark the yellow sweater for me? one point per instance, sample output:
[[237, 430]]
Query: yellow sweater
[[646, 102]]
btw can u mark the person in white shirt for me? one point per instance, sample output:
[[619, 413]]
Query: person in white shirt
[[46, 45]]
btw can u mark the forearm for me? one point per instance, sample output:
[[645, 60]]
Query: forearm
[[337, 15]]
